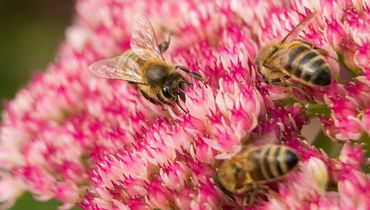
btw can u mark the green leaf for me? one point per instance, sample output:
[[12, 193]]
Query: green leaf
[[331, 148]]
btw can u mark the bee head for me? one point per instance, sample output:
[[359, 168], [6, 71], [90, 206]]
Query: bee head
[[173, 87], [232, 175], [267, 52]]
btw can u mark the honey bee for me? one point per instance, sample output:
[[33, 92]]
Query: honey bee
[[294, 59], [145, 66], [252, 167]]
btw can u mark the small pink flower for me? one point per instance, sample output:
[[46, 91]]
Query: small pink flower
[[100, 144], [344, 112], [352, 155]]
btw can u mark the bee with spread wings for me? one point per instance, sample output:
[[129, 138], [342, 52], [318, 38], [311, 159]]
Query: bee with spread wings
[[145, 66], [281, 61]]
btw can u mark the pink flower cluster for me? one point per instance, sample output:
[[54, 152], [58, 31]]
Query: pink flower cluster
[[101, 145]]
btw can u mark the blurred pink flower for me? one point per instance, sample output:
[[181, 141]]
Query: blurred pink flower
[[84, 140]]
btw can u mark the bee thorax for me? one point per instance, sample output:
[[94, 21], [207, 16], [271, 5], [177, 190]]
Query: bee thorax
[[156, 74]]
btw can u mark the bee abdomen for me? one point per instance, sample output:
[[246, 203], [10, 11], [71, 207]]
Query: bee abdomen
[[306, 64], [294, 56], [273, 161], [322, 77]]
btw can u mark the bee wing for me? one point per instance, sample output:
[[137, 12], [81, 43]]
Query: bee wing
[[143, 38], [120, 67], [295, 31]]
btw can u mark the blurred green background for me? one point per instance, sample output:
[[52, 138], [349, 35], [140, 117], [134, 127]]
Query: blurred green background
[[30, 33]]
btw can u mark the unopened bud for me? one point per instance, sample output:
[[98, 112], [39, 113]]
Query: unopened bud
[[319, 172]]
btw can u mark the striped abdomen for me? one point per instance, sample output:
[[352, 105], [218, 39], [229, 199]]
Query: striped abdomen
[[271, 162], [306, 64]]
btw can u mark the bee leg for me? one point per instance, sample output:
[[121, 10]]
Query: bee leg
[[262, 189], [298, 88], [278, 82], [192, 73], [250, 195], [271, 192], [146, 96], [184, 81], [178, 104], [162, 100], [182, 96], [254, 192], [290, 83]]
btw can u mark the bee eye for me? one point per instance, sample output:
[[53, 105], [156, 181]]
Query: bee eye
[[166, 92]]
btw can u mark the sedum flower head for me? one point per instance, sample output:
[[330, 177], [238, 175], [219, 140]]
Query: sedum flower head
[[99, 144]]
